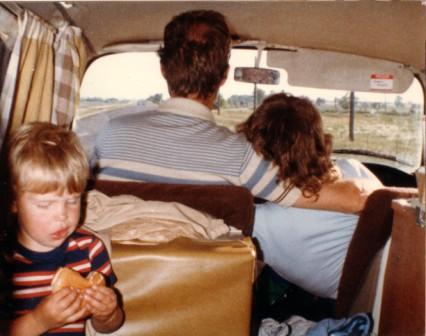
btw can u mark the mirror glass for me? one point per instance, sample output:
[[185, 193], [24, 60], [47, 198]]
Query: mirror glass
[[256, 75]]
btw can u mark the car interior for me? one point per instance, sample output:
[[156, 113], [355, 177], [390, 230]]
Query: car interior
[[362, 64]]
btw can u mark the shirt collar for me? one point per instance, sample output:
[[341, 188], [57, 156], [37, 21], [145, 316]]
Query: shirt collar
[[186, 107]]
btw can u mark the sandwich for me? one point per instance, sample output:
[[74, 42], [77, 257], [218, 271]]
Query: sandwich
[[67, 277]]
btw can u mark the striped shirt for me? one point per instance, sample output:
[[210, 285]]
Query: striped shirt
[[33, 272], [180, 143]]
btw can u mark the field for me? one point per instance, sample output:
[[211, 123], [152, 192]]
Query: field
[[396, 135]]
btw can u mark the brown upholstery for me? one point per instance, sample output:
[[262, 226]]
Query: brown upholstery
[[403, 300], [373, 230], [231, 203], [187, 287]]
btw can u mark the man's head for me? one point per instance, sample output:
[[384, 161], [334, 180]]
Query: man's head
[[195, 54], [44, 157]]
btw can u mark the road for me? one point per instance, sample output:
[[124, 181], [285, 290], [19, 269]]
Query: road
[[93, 118]]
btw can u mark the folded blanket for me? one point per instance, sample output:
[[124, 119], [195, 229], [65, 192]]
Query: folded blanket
[[129, 218], [234, 204]]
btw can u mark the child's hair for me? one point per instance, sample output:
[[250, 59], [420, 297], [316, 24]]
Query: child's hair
[[288, 131], [43, 157]]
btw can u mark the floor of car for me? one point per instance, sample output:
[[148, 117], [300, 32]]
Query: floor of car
[[276, 298]]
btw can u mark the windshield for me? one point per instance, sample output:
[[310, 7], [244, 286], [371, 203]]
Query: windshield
[[385, 128]]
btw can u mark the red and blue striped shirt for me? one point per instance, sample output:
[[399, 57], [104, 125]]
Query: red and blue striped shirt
[[33, 272]]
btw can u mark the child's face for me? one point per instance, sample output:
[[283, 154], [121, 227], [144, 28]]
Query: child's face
[[46, 220]]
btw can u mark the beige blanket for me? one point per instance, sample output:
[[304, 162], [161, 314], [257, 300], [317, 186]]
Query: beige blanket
[[128, 218]]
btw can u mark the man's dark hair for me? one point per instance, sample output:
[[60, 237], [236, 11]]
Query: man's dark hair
[[195, 54]]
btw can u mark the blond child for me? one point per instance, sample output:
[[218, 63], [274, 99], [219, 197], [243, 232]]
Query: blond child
[[48, 170]]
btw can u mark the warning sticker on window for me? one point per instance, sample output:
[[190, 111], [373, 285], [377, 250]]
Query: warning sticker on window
[[381, 82]]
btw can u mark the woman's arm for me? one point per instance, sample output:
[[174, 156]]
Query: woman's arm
[[342, 195]]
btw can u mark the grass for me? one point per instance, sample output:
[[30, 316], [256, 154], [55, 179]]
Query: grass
[[390, 134]]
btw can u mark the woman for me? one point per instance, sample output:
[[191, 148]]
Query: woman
[[313, 243]]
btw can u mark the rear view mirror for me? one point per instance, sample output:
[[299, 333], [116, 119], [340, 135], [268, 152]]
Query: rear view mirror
[[257, 75]]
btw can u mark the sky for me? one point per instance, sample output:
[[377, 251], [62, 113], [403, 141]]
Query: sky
[[130, 76]]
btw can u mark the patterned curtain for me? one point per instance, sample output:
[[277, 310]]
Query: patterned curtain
[[70, 62], [43, 76], [28, 87]]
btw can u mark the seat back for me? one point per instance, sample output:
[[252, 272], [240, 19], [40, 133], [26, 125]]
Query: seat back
[[233, 204], [185, 286], [371, 234]]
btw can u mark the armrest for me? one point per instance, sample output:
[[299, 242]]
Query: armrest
[[373, 230], [231, 203]]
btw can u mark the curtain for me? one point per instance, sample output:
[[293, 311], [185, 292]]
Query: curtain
[[70, 63], [28, 86], [8, 89], [42, 80], [4, 61]]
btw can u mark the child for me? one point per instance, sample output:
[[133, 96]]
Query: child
[[48, 171]]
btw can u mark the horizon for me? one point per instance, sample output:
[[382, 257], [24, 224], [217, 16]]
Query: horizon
[[105, 77]]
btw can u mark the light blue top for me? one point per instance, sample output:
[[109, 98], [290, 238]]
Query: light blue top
[[308, 247]]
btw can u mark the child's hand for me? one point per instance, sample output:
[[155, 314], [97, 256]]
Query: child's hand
[[62, 307], [102, 303]]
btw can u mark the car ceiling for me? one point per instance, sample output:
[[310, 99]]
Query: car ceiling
[[392, 30]]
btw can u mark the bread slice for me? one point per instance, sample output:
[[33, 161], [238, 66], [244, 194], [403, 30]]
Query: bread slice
[[96, 278], [67, 277]]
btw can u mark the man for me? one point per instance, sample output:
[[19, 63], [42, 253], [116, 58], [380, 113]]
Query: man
[[180, 143]]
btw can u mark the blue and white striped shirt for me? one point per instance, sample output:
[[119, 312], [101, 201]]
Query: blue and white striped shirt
[[180, 143]]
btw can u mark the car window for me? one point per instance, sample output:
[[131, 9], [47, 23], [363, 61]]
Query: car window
[[385, 128]]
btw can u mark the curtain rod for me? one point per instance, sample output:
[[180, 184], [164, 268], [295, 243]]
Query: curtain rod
[[17, 11]]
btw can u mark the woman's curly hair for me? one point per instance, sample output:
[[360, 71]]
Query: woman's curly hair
[[288, 131]]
